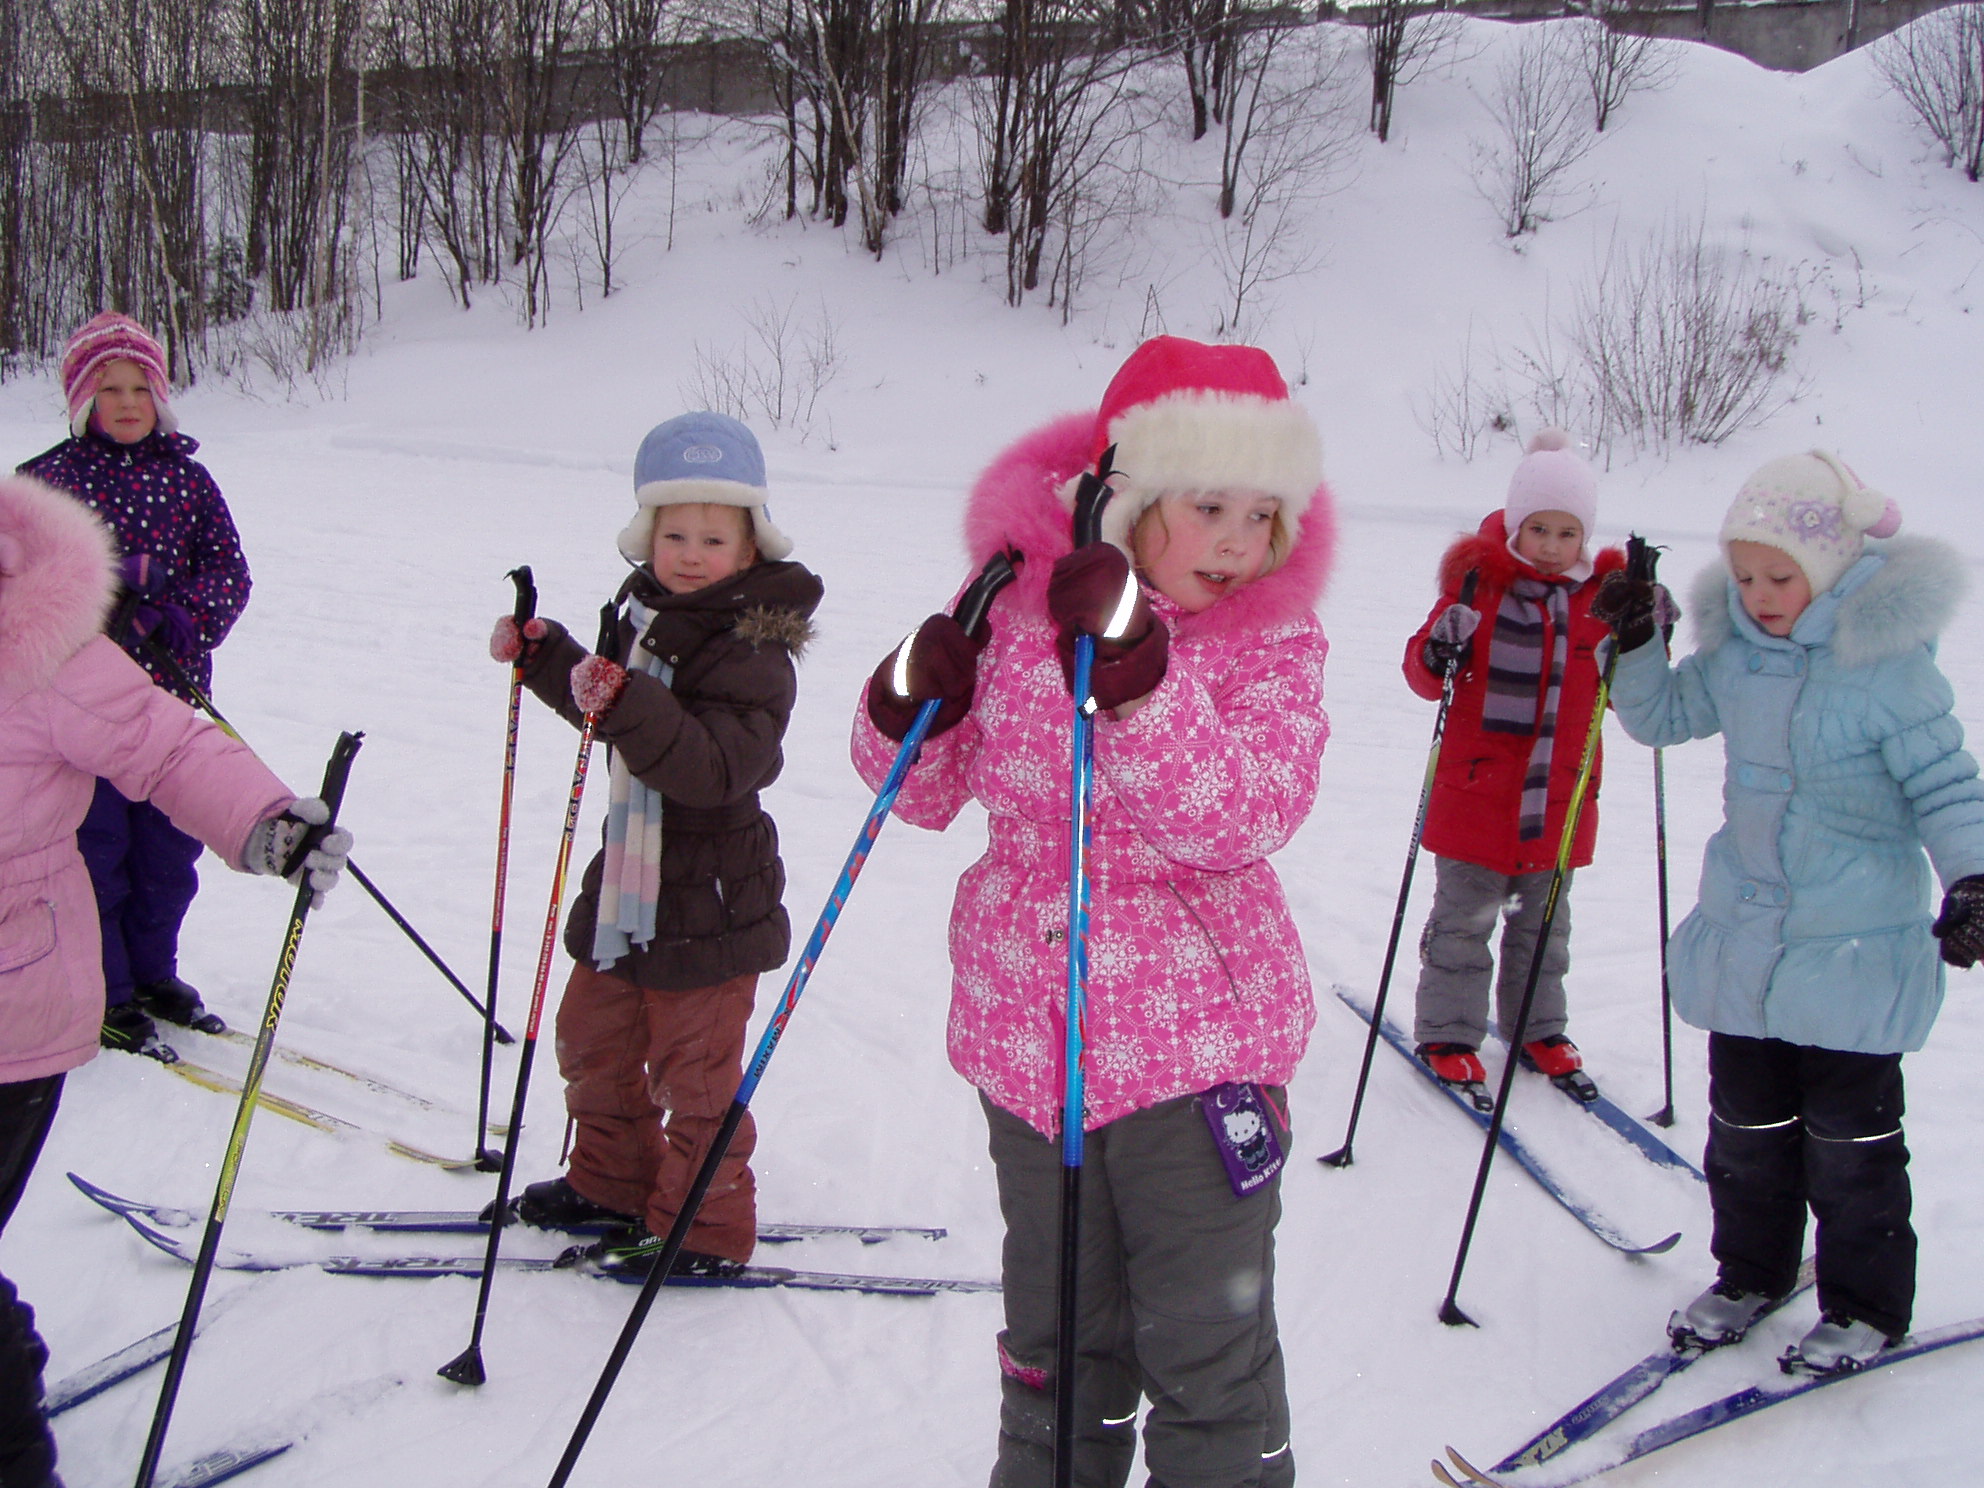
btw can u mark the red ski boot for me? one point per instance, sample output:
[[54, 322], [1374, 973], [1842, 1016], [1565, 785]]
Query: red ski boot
[[1558, 1058], [1459, 1066]]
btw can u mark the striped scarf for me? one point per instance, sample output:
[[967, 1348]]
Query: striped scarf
[[1533, 612], [630, 884]]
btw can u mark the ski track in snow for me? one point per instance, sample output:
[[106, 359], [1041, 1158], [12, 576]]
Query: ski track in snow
[[380, 523]]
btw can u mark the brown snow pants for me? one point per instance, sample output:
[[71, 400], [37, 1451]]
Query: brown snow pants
[[1176, 1306], [648, 1077]]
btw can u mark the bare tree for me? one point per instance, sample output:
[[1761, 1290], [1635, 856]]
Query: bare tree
[[1937, 65], [1540, 132], [1617, 64], [1402, 39]]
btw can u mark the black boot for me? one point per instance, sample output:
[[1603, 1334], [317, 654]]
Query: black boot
[[176, 1002], [126, 1027], [555, 1205]]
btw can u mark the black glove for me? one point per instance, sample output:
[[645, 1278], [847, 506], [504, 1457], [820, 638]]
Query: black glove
[[1634, 608], [1960, 927], [939, 661], [1451, 640]]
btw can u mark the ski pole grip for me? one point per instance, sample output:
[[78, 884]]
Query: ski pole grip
[[526, 606], [1468, 586], [336, 773], [609, 630], [976, 601], [1092, 494], [1642, 558]]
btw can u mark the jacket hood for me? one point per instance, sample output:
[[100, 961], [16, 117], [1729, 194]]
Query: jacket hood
[[1016, 503], [772, 603], [1898, 595], [1487, 551], [58, 567]]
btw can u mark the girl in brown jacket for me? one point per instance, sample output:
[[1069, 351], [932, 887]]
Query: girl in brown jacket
[[681, 910]]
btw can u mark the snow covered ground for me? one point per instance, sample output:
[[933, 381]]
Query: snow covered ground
[[380, 523]]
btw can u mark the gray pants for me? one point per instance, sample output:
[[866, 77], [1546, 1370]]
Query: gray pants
[[1176, 1305], [1454, 963]]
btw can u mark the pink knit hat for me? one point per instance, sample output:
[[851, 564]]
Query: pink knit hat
[[1186, 416], [110, 337], [1814, 508]]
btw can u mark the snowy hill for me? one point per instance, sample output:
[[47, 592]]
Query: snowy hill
[[380, 522]]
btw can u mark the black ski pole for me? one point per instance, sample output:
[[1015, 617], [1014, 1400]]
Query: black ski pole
[[526, 607], [332, 794], [1665, 1115], [466, 1367], [205, 704], [1091, 496], [970, 613], [1341, 1157], [1638, 565]]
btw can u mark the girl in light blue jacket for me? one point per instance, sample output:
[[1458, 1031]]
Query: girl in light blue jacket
[[1811, 958]]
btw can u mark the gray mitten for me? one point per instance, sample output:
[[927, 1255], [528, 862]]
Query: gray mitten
[[1449, 641], [271, 844]]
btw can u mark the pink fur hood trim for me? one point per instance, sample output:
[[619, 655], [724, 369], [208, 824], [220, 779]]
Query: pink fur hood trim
[[1017, 501], [58, 568]]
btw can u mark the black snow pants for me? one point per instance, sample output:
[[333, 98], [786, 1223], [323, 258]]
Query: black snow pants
[[27, 1449], [1792, 1126]]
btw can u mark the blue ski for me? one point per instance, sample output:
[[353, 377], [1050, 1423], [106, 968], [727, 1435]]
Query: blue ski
[[1635, 1131], [465, 1221], [1597, 1411], [749, 1277], [1525, 1156], [112, 1369], [1734, 1407]]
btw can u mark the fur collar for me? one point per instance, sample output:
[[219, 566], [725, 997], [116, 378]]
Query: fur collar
[[58, 567], [1487, 550], [1017, 501], [1899, 595], [764, 625]]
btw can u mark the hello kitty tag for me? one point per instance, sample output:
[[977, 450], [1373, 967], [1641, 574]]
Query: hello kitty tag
[[1245, 1135]]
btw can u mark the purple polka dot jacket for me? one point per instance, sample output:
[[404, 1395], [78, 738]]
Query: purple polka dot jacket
[[157, 499]]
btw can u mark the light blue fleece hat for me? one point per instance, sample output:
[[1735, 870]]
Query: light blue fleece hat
[[700, 457]]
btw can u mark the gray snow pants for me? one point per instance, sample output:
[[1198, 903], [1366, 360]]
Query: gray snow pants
[[1176, 1300], [1455, 966]]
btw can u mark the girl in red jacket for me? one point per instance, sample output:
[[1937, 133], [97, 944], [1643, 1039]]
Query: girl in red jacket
[[1524, 690]]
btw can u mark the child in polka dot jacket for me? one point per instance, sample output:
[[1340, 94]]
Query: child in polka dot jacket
[[185, 584]]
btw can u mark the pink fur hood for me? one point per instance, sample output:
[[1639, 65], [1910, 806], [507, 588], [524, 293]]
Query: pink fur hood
[[58, 568], [1017, 501]]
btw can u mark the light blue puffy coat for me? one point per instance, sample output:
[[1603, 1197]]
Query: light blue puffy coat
[[1844, 761]]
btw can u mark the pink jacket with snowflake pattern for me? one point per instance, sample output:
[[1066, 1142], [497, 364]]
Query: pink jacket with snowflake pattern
[[1196, 973]]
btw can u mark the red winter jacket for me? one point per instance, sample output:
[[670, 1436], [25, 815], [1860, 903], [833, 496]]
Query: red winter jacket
[[1477, 790]]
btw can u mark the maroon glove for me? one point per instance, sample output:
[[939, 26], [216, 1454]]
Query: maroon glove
[[939, 661], [1093, 592], [508, 644], [596, 683]]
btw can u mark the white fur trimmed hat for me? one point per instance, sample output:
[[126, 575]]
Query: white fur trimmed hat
[[700, 457], [1814, 508], [1186, 416]]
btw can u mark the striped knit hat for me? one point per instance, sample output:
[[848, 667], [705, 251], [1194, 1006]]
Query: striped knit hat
[[107, 338]]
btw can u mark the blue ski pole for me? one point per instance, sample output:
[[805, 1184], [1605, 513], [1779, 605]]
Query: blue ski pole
[[1091, 496], [970, 613]]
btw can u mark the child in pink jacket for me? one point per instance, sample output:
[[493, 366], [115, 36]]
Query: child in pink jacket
[[74, 708], [1207, 745]]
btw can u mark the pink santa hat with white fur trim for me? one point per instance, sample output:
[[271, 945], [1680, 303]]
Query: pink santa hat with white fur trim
[[1813, 507], [1187, 416]]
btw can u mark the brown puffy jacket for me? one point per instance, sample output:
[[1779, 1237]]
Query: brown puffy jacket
[[709, 743]]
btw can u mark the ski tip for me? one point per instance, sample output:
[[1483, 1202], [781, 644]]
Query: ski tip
[[1473, 1473], [1659, 1247], [465, 1368], [1441, 1475]]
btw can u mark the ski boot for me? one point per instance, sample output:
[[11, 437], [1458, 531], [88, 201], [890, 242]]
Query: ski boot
[[126, 1028], [631, 1251], [1557, 1057], [176, 1002], [1459, 1066], [555, 1205], [1720, 1315], [1837, 1344]]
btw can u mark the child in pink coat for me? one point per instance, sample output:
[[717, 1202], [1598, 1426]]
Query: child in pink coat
[[1207, 747], [73, 708]]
